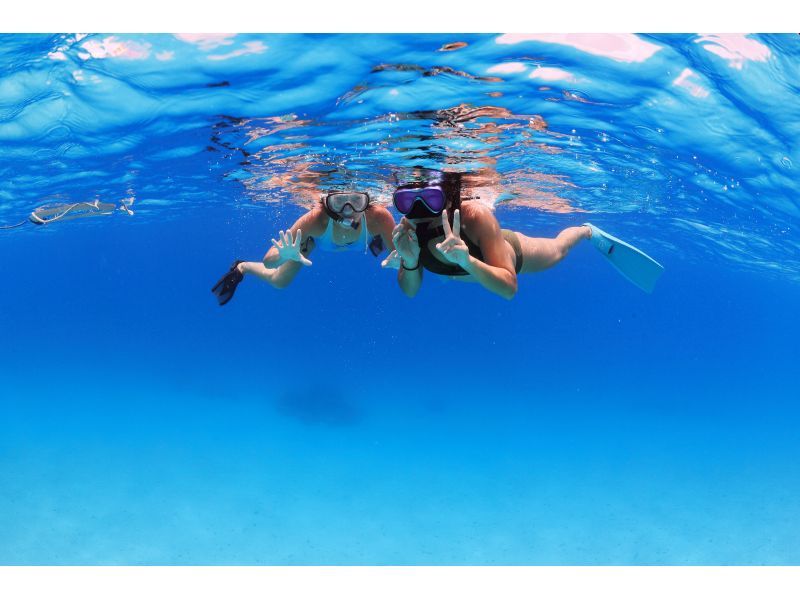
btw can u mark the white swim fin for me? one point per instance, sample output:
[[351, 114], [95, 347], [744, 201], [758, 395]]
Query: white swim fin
[[633, 264]]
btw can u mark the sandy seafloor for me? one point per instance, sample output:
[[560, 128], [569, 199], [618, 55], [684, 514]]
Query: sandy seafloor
[[337, 422]]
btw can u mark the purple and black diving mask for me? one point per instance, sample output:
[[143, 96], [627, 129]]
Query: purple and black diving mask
[[420, 202]]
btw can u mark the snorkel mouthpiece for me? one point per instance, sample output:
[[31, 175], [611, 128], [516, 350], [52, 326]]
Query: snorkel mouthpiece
[[420, 210]]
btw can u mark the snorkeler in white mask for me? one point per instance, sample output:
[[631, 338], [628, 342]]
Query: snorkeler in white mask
[[343, 220]]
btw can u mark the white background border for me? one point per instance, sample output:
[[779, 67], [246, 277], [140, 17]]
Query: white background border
[[400, 582], [430, 16], [398, 16]]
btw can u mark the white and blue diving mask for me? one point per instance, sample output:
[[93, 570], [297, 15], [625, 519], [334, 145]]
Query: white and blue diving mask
[[337, 202]]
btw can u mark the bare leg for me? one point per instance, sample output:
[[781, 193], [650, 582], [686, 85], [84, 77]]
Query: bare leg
[[279, 277], [539, 254], [257, 269]]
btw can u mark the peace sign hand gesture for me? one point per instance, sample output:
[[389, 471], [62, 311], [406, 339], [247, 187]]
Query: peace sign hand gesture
[[289, 250], [453, 247]]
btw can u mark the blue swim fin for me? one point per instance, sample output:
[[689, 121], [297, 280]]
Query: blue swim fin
[[635, 265]]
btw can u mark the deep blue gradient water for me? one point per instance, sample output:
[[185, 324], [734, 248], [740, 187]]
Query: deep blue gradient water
[[337, 421]]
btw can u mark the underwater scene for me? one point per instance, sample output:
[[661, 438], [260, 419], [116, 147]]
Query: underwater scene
[[623, 393]]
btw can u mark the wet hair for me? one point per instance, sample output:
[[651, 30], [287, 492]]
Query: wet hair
[[451, 185]]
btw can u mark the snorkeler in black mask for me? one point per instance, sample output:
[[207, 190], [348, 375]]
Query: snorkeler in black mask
[[462, 239]]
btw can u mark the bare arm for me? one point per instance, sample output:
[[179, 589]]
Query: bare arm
[[308, 225], [409, 275], [285, 273], [409, 280], [311, 224], [380, 222], [496, 272]]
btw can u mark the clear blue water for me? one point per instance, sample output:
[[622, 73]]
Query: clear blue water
[[338, 422]]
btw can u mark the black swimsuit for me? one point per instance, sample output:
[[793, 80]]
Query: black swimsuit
[[426, 233]]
